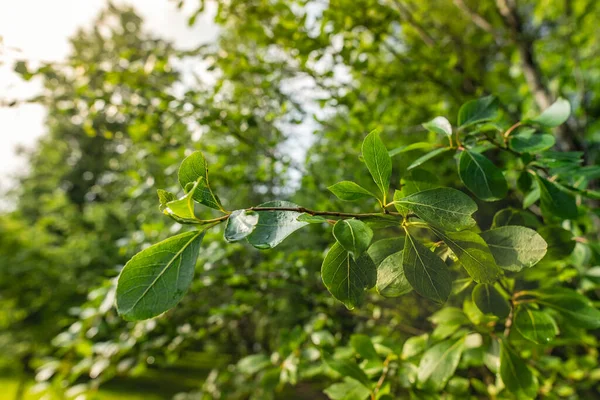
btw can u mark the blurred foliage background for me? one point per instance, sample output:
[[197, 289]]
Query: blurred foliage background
[[286, 95]]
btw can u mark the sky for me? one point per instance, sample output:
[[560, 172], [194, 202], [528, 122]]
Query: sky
[[38, 30]]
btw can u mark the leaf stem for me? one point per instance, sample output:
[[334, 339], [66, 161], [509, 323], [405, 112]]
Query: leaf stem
[[328, 213], [510, 130]]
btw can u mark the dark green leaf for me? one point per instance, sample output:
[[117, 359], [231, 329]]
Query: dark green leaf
[[534, 325], [427, 157], [378, 161], [353, 235], [381, 249], [555, 200], [490, 301], [362, 345], [274, 226], [350, 191], [524, 181], [554, 115], [481, 177], [446, 208], [156, 278], [577, 308], [349, 389], [425, 271], [391, 281], [480, 110], [240, 224], [560, 242], [439, 125], [348, 369], [439, 364], [529, 142], [346, 278], [516, 375], [515, 247], [417, 180], [512, 216]]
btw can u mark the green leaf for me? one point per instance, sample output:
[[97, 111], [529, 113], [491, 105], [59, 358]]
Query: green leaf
[[349, 389], [348, 369], [417, 180], [411, 147], [439, 125], [311, 219], [481, 176], [414, 346], [350, 191], [164, 197], [362, 345], [512, 216], [391, 281], [516, 375], [560, 242], [274, 226], [191, 170], [490, 301], [555, 200], [473, 253], [353, 235], [240, 224], [480, 110], [378, 161], [425, 271], [156, 278], [383, 248], [439, 364], [446, 208], [534, 325], [577, 308], [346, 278], [528, 142], [254, 363], [515, 247], [554, 115], [428, 156]]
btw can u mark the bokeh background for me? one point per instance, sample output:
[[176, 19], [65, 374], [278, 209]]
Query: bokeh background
[[99, 102]]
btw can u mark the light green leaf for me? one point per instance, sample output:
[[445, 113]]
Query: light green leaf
[[534, 325], [391, 281], [348, 369], [411, 147], [414, 346], [346, 278], [240, 224], [439, 125], [554, 115], [425, 271], [490, 301], [311, 219], [426, 157], [350, 191], [480, 110], [349, 389], [555, 200], [191, 170], [439, 364], [364, 347], [516, 375], [156, 278], [353, 235], [164, 197], [274, 226], [515, 247], [528, 142], [577, 308], [378, 161], [473, 253], [446, 208], [481, 177], [254, 363], [383, 248], [417, 180]]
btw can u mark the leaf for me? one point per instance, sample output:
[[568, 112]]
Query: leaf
[[414, 346], [240, 224], [480, 110], [534, 325], [417, 180], [446, 208], [254, 363], [560, 242], [156, 278], [515, 247], [274, 226], [383, 248], [411, 147], [439, 125], [391, 281], [512, 216], [349, 389], [426, 157], [378, 161], [481, 177], [439, 364], [578, 309], [555, 200], [311, 219], [362, 345], [350, 191], [490, 301], [346, 278], [191, 170], [348, 369], [528, 142], [425, 271], [164, 197], [555, 115], [515, 374], [473, 253], [353, 235]]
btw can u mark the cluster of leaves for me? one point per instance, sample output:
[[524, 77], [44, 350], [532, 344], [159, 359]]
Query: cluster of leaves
[[439, 235]]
